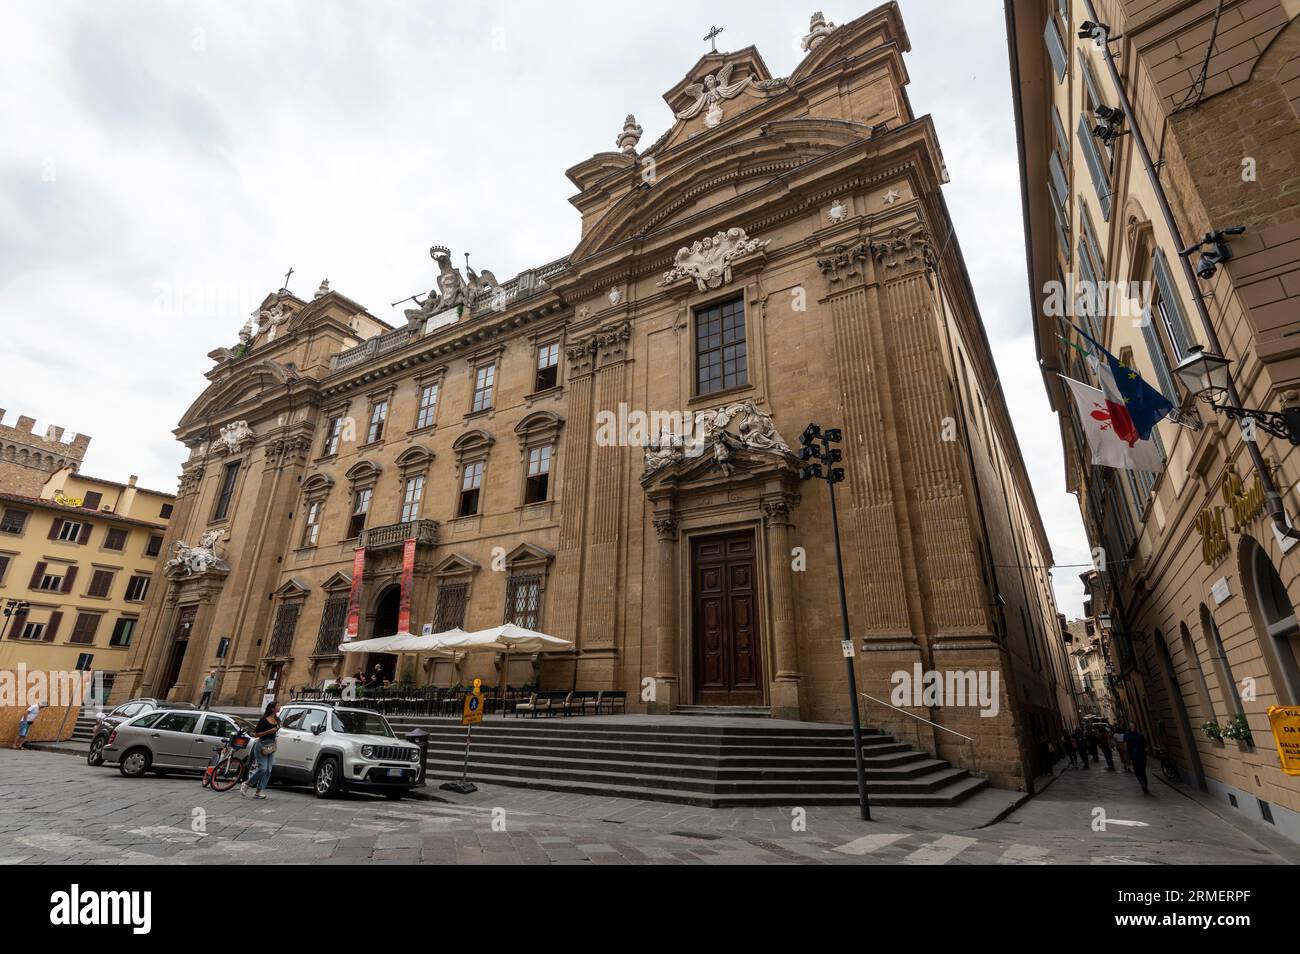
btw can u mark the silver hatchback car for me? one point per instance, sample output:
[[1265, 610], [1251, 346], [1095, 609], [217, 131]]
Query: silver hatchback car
[[167, 740]]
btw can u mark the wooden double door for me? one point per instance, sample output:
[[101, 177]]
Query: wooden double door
[[728, 662]]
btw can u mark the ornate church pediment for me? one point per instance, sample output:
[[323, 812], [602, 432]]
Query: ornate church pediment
[[715, 87], [727, 442]]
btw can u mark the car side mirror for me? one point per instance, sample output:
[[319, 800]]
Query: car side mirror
[[318, 728]]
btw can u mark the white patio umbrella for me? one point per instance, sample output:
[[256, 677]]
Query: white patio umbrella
[[380, 644], [512, 638]]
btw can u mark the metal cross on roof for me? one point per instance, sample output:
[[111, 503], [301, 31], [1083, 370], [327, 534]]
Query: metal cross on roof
[[712, 36], [286, 278]]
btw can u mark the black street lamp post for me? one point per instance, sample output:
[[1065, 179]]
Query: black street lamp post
[[12, 608], [817, 447]]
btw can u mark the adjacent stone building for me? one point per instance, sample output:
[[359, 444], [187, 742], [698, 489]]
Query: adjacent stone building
[[27, 461], [603, 447], [1190, 126]]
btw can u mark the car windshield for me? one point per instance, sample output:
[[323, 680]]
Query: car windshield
[[350, 722]]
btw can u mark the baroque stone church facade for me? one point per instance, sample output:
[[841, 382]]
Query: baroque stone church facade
[[781, 255]]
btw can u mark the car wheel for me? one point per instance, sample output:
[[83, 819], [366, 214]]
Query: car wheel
[[326, 780], [135, 763], [96, 754]]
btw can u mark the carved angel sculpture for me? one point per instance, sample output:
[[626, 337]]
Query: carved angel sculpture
[[710, 94]]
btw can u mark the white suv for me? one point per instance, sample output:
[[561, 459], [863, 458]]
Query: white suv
[[335, 748]]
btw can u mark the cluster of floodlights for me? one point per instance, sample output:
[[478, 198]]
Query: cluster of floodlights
[[12, 608], [812, 451]]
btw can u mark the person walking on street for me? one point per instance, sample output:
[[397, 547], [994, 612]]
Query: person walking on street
[[1121, 746], [1081, 743], [1137, 753], [25, 723], [209, 687], [1091, 737], [1103, 743], [1067, 746], [265, 732]]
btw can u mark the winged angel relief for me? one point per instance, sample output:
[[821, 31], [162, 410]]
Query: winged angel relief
[[710, 94]]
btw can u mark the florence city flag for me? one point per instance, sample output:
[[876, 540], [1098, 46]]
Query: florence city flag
[[1110, 432], [1146, 406]]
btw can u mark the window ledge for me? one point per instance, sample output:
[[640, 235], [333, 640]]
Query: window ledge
[[553, 391], [427, 429], [715, 397], [486, 412]]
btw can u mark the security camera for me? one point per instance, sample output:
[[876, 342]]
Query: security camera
[[1217, 250]]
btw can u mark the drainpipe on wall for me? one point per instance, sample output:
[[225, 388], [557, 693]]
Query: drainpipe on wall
[[1273, 499]]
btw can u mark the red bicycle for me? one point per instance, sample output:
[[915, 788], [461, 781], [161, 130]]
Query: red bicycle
[[230, 765]]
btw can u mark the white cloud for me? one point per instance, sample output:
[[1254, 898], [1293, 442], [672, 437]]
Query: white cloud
[[200, 150]]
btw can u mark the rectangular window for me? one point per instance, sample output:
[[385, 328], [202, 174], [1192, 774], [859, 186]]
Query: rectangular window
[[165, 512], [360, 507], [524, 600], [101, 583], [484, 379], [1055, 48], [227, 491], [470, 484], [411, 499], [13, 521], [51, 582], [333, 433], [4, 566], [123, 630], [92, 500], [537, 484], [136, 588], [333, 621], [223, 647], [548, 366], [311, 530], [84, 661], [115, 539], [83, 631], [428, 405], [450, 612], [1170, 308], [720, 357], [378, 415], [1096, 166], [154, 546], [33, 631], [70, 532], [286, 621], [1094, 243]]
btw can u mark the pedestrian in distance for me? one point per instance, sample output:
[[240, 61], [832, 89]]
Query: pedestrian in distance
[[1137, 753], [25, 723], [1091, 738], [1081, 744], [209, 687], [1103, 743], [1067, 746], [1121, 746], [264, 751]]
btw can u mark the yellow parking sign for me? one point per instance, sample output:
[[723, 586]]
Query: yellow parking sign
[[473, 711], [1285, 723]]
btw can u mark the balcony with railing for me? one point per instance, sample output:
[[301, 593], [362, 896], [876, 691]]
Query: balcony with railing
[[396, 534]]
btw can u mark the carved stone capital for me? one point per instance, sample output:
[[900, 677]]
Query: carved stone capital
[[844, 263], [666, 527], [611, 342], [776, 512], [905, 249]]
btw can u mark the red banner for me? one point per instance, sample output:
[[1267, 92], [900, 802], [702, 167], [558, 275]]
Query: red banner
[[354, 597], [408, 582]]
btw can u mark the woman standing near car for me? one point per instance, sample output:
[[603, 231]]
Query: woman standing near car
[[265, 732]]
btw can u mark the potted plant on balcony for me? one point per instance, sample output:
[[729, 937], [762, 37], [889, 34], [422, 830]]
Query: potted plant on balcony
[[1213, 731], [1238, 729]]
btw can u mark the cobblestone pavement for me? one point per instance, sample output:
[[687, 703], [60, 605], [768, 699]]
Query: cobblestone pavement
[[56, 809]]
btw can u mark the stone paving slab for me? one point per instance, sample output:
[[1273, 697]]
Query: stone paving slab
[[57, 810]]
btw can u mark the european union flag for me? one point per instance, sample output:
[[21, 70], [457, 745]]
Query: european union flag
[[1145, 405]]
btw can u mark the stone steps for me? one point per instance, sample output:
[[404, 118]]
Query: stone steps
[[699, 761]]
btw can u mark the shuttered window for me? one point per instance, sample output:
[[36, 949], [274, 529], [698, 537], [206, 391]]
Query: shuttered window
[[1055, 48], [123, 630], [1096, 167], [83, 631], [1170, 307], [1164, 380], [101, 584]]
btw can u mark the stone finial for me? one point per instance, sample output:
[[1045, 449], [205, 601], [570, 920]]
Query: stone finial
[[323, 290], [818, 29], [630, 136]]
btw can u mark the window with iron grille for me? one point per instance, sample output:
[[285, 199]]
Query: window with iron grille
[[524, 600], [333, 620], [720, 355], [453, 598], [286, 621]]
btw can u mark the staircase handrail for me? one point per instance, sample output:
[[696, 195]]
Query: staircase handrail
[[944, 728]]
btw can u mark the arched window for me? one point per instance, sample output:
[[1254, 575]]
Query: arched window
[[1222, 668], [1192, 661], [1274, 617]]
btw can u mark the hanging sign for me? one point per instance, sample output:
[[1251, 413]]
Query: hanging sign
[[408, 579], [354, 596]]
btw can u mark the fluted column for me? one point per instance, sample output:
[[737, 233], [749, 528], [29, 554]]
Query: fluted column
[[667, 686], [785, 685]]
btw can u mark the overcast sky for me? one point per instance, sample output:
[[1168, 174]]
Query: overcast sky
[[163, 165]]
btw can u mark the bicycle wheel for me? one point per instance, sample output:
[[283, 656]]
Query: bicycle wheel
[[228, 773]]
